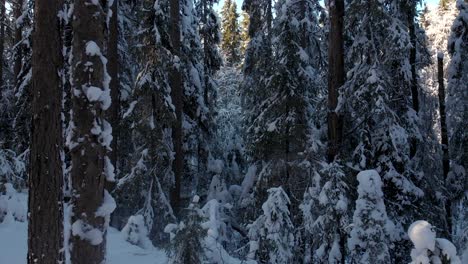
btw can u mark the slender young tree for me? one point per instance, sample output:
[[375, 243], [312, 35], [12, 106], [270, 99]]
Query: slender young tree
[[91, 134], [45, 232], [444, 133], [175, 80], [18, 38]]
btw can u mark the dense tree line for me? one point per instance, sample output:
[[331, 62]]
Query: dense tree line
[[295, 131]]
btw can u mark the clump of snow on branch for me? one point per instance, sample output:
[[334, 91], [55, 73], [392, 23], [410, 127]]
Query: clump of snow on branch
[[429, 249]]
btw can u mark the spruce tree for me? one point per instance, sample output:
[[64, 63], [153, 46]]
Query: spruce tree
[[457, 122], [271, 235], [325, 212], [230, 33], [244, 32], [383, 127]]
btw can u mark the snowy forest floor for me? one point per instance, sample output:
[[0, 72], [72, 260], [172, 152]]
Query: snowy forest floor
[[14, 245]]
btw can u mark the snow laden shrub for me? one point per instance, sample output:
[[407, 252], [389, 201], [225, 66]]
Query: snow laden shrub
[[12, 168], [215, 216], [136, 232], [186, 244], [201, 237], [271, 235], [427, 248], [324, 209], [369, 236], [12, 205]]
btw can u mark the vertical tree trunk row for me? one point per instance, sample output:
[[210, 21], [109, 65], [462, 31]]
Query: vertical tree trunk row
[[177, 94], [45, 232], [91, 133]]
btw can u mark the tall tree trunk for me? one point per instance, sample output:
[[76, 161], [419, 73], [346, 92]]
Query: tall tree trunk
[[411, 10], [113, 68], [444, 134], [336, 75], [45, 232], [91, 133], [18, 38], [336, 79], [2, 41], [412, 58], [175, 79]]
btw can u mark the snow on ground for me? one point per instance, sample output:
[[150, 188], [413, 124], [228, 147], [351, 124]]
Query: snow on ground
[[13, 247]]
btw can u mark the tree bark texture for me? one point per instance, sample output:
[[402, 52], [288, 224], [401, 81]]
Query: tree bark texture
[[336, 79], [45, 232], [90, 131], [113, 69], [336, 76]]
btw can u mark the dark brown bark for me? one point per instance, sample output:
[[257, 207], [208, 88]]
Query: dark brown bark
[[444, 134], [88, 150], [175, 80], [45, 232], [2, 41], [336, 79], [18, 37], [336, 76], [113, 69]]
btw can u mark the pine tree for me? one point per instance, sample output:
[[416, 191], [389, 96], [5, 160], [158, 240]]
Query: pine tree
[[230, 33], [21, 120], [244, 32], [90, 133], [45, 232], [384, 126], [456, 121], [457, 96], [325, 212], [187, 237], [144, 188], [278, 134], [369, 236], [271, 235], [177, 93], [197, 115]]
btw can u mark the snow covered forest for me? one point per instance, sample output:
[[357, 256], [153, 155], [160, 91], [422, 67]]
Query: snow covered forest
[[240, 131]]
